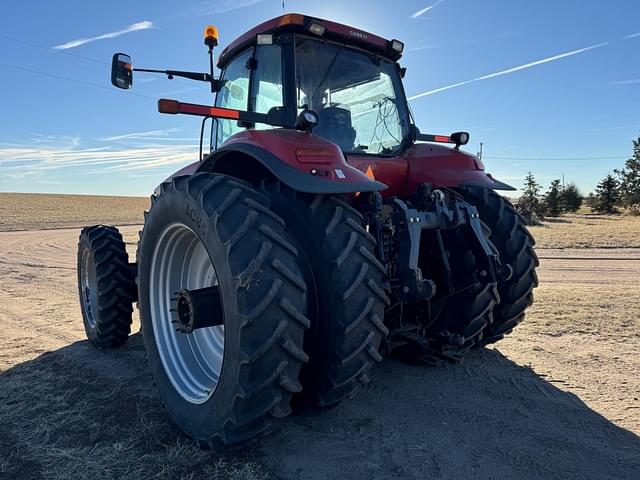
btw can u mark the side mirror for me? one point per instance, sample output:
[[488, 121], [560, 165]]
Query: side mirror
[[121, 71], [459, 138], [237, 92]]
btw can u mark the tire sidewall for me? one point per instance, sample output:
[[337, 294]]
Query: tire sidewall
[[84, 245]]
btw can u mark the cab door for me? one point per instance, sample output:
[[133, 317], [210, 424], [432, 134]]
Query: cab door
[[234, 94], [251, 82]]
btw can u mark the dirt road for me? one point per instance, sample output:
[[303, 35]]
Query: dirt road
[[557, 399]]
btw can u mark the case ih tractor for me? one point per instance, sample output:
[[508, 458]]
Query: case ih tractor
[[321, 232]]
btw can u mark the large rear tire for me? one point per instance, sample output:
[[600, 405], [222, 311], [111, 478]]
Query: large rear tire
[[348, 298], [106, 286], [222, 384], [516, 248]]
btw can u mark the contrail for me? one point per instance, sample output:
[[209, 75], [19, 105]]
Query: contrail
[[419, 13], [134, 27], [522, 67], [625, 82]]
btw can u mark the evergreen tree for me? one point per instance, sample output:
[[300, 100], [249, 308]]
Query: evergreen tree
[[630, 178], [529, 202], [607, 195], [571, 198], [552, 199]]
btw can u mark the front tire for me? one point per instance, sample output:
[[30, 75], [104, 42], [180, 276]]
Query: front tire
[[516, 248], [106, 286], [461, 319], [222, 384]]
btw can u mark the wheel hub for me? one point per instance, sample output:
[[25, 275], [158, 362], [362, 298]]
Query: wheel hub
[[199, 308]]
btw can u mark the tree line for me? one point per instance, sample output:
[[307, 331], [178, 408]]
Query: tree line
[[619, 189]]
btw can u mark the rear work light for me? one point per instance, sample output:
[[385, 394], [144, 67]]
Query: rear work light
[[264, 39], [317, 29], [397, 46]]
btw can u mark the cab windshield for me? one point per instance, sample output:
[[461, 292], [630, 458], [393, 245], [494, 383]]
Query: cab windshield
[[357, 96]]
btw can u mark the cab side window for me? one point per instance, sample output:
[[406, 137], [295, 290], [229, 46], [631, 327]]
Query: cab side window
[[257, 90], [234, 94]]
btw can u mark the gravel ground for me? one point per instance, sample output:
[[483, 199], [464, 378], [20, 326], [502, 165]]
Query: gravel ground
[[557, 399]]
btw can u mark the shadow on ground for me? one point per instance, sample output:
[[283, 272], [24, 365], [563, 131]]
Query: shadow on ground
[[81, 413]]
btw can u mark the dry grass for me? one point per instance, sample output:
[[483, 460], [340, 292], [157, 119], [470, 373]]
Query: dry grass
[[62, 425], [584, 339], [589, 231], [26, 211]]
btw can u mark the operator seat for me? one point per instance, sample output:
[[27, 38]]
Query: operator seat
[[334, 124]]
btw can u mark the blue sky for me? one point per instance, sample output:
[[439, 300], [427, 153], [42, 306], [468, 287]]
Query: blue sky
[[547, 86]]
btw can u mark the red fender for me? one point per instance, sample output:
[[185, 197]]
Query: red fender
[[425, 162], [302, 161]]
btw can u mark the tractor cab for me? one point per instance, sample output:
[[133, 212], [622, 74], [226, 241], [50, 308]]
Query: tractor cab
[[296, 63], [342, 85]]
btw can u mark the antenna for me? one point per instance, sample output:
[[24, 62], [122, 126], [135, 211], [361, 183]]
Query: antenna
[[480, 152]]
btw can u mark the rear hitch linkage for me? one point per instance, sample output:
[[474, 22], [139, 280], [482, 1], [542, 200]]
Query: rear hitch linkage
[[438, 214]]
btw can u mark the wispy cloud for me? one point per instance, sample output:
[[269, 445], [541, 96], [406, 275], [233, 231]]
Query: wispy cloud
[[50, 139], [626, 82], [26, 161], [522, 67], [142, 135], [134, 27], [418, 48], [421, 12], [617, 127], [223, 6]]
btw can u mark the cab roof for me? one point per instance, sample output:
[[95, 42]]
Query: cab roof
[[296, 22]]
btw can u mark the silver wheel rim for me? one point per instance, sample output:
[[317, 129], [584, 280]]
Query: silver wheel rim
[[89, 284], [191, 361]]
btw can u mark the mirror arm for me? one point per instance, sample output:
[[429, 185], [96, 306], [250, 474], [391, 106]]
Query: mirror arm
[[202, 77], [426, 137]]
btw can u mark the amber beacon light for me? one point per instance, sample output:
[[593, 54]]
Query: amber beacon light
[[211, 36]]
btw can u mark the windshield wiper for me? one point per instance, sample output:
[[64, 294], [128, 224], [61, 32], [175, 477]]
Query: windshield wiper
[[326, 75]]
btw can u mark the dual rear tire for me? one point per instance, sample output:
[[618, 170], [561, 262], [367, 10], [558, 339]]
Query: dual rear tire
[[346, 292], [302, 303]]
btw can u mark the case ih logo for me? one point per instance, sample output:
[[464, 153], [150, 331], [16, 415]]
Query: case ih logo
[[360, 35]]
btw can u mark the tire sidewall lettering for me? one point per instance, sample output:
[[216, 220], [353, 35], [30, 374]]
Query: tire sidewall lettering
[[199, 222]]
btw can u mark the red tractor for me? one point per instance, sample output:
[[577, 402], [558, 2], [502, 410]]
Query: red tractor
[[320, 232]]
